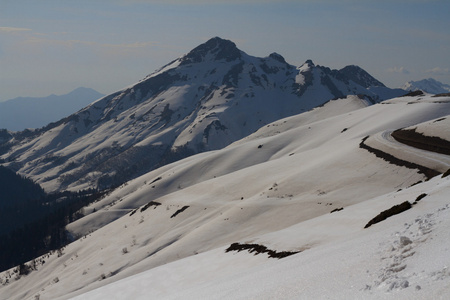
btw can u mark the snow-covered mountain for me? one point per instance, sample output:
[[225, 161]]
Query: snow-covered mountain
[[282, 214], [35, 112], [429, 85], [204, 100]]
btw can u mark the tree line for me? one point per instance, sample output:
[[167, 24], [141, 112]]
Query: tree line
[[32, 222]]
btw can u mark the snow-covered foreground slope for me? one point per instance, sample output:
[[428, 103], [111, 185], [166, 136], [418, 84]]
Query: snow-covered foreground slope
[[403, 257], [165, 233]]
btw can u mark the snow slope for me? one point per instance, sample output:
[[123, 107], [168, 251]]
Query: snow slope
[[275, 188], [404, 257], [204, 100], [438, 128]]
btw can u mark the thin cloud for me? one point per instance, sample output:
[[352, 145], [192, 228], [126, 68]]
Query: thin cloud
[[37, 38], [72, 43], [13, 29], [81, 48], [400, 70], [438, 71]]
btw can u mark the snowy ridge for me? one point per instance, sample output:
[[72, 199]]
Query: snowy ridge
[[297, 184], [429, 85], [214, 95]]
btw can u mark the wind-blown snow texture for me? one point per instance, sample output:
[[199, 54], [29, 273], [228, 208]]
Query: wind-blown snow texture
[[205, 100], [164, 235]]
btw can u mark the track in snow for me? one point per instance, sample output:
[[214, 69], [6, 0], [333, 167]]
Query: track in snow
[[386, 143]]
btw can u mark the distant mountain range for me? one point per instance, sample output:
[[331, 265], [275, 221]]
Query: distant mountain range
[[204, 100], [35, 112], [429, 85]]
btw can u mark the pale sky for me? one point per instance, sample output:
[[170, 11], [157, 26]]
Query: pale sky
[[54, 46]]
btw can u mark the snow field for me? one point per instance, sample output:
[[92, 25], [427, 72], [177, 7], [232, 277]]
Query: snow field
[[279, 195], [403, 257]]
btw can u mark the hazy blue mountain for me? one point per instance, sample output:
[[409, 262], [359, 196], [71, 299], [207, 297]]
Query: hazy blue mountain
[[35, 112]]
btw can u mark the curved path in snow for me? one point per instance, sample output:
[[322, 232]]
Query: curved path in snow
[[386, 143]]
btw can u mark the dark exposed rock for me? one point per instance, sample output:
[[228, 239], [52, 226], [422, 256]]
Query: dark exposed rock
[[420, 197], [216, 125], [258, 249], [179, 211], [413, 94], [359, 76], [156, 179], [277, 57], [336, 209], [156, 84], [326, 80], [394, 210], [232, 77], [446, 173], [418, 140], [4, 136], [299, 90], [442, 95], [151, 203], [269, 70], [220, 48], [255, 79], [438, 120], [166, 114], [429, 173], [309, 62]]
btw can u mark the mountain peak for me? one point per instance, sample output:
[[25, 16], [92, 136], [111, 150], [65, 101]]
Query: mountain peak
[[360, 76], [309, 63], [214, 49], [306, 66], [277, 57]]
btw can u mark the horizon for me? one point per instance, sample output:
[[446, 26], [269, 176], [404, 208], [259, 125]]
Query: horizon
[[55, 47]]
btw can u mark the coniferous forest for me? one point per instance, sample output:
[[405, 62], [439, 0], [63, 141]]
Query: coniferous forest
[[32, 222]]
